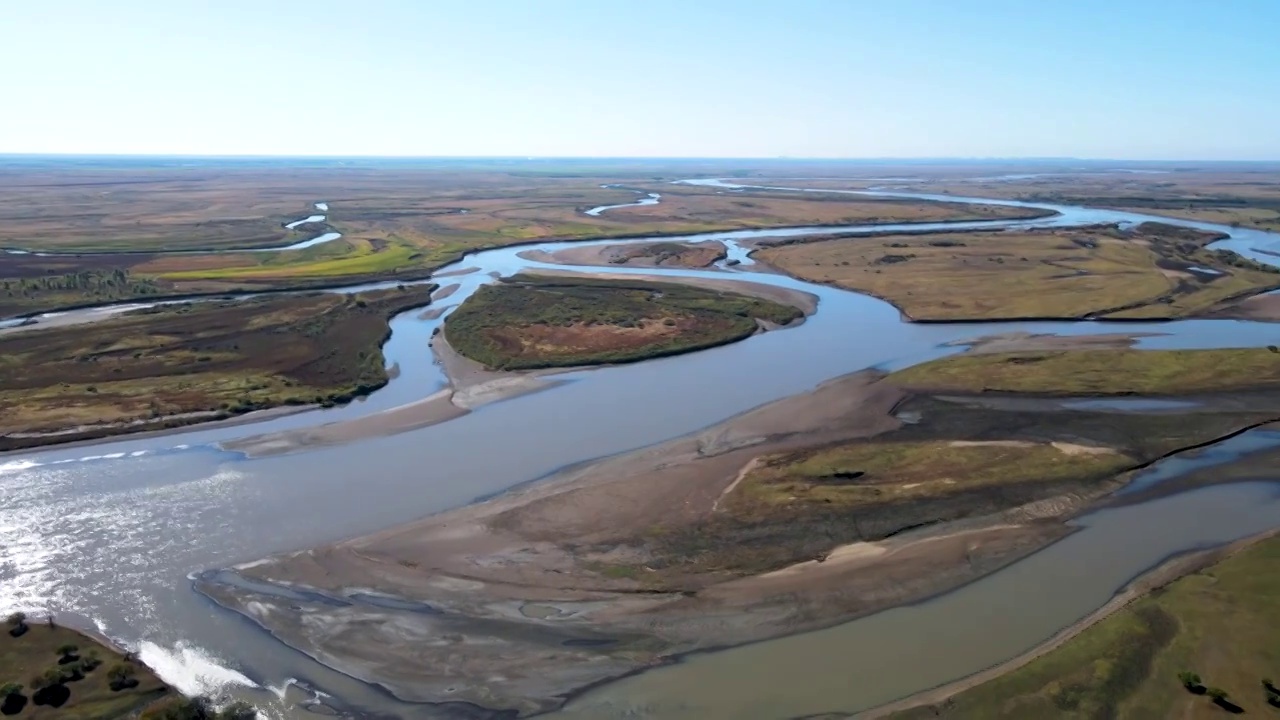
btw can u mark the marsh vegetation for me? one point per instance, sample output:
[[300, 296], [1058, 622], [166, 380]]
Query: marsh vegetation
[[187, 362], [529, 322]]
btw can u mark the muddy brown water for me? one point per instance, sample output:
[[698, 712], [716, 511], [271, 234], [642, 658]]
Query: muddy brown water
[[109, 535]]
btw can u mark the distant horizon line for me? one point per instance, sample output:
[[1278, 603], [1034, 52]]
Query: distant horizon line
[[638, 158]]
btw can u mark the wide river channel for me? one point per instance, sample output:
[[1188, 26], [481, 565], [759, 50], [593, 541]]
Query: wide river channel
[[109, 535]]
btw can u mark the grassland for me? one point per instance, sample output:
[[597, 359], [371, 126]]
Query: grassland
[[1222, 623], [530, 322], [869, 473], [959, 461], [390, 235], [398, 222], [1152, 271], [1099, 372], [177, 364], [90, 696]]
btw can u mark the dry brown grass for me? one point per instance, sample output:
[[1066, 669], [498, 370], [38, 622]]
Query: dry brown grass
[[1024, 274]]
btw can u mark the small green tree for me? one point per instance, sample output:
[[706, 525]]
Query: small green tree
[[67, 652], [89, 663], [1189, 680], [1217, 694], [16, 619], [120, 676], [8, 689], [46, 679]]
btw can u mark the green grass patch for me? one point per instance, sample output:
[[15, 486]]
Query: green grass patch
[[363, 259], [84, 688], [1098, 372], [882, 472]]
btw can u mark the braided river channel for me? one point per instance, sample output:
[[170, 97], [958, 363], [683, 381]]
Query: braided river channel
[[109, 536]]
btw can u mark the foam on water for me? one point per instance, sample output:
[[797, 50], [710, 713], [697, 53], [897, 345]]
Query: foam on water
[[190, 669], [14, 466]]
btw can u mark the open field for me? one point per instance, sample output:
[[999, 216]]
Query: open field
[[177, 364], [1098, 372], [1151, 271], [532, 322], [1219, 623], [400, 220], [85, 691]]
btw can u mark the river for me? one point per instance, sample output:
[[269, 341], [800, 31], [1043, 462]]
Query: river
[[109, 535]]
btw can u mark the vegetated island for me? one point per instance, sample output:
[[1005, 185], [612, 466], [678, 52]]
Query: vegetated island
[[1152, 271], [863, 494], [48, 672], [530, 321], [178, 364], [1199, 646]]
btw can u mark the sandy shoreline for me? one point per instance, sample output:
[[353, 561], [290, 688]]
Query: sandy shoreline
[[468, 384]]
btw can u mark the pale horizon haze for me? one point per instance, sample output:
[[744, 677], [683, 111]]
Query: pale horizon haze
[[1124, 79]]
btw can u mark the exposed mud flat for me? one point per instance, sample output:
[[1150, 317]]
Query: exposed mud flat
[[1031, 342], [655, 254], [469, 386], [533, 591], [1264, 307]]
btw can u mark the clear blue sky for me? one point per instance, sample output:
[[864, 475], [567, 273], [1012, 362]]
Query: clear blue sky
[[1139, 79]]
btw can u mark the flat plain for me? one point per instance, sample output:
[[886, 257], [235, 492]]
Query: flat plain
[[1151, 271], [398, 221]]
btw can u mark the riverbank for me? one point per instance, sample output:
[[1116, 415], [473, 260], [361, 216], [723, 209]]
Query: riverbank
[[1024, 687], [469, 384], [61, 672], [610, 568]]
